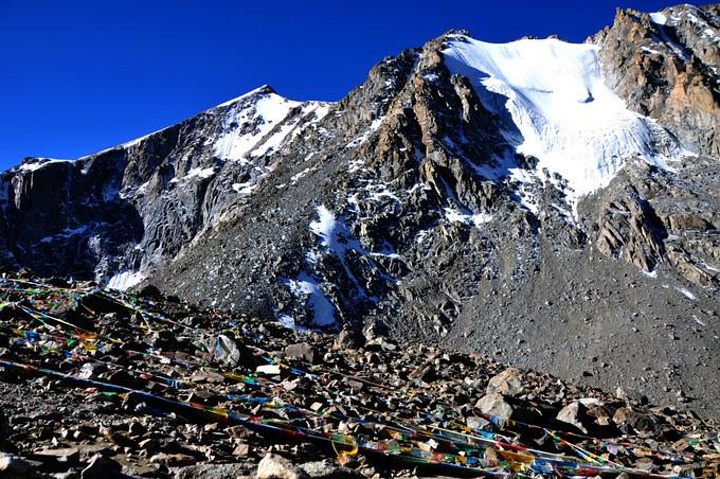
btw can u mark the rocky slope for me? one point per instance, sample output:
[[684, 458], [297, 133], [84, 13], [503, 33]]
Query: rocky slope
[[552, 205], [100, 384]]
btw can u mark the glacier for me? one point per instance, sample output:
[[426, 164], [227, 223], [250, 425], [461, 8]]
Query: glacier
[[556, 107]]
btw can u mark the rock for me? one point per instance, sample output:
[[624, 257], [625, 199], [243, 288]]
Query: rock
[[95, 469], [57, 459], [495, 405], [602, 415], [666, 86], [269, 369], [349, 338], [204, 376], [4, 428], [215, 471], [13, 467], [415, 386], [172, 459], [507, 382], [475, 422], [642, 423], [628, 227], [571, 414], [300, 350], [241, 450], [327, 470], [226, 351], [273, 466]]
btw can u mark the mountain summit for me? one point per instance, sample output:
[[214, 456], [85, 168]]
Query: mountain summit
[[553, 205]]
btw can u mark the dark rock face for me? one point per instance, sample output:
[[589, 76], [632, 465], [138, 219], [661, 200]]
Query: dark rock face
[[403, 210]]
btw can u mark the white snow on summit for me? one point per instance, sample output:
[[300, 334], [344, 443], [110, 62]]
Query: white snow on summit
[[556, 107], [658, 17], [257, 123]]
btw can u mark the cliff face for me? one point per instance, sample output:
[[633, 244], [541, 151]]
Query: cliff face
[[667, 66], [550, 204], [121, 212]]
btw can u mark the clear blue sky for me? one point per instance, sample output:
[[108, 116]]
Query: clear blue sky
[[79, 76]]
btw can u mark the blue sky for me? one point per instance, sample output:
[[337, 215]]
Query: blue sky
[[79, 76]]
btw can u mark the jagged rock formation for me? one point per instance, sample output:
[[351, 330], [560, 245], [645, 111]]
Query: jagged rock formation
[[666, 66], [562, 222]]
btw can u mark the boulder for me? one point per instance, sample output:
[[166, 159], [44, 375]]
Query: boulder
[[327, 470], [273, 466], [215, 471], [508, 382], [226, 351], [643, 424], [300, 350], [13, 467], [495, 405], [573, 414]]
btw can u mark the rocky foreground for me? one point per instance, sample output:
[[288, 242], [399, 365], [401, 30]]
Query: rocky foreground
[[96, 383]]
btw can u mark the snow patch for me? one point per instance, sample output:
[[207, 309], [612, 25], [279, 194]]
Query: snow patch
[[649, 274], [252, 129], [659, 18], [67, 233], [355, 166], [366, 134], [456, 216], [288, 322], [325, 227], [246, 124], [244, 188], [687, 293], [196, 172], [298, 176], [307, 288], [37, 163], [125, 280]]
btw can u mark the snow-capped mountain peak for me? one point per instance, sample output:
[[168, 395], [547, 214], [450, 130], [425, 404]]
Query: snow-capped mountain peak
[[556, 107], [259, 122]]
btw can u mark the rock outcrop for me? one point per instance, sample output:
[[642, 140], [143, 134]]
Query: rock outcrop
[[667, 66]]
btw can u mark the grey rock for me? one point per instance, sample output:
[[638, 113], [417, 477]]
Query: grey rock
[[215, 471], [641, 422], [273, 466], [226, 351], [96, 468], [508, 382], [300, 350], [13, 467], [573, 414], [475, 422], [327, 470], [495, 405]]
